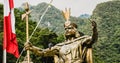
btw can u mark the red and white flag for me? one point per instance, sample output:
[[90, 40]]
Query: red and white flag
[[10, 40]]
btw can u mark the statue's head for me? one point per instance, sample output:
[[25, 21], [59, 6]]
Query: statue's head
[[70, 28]]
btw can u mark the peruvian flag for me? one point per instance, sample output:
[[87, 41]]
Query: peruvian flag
[[9, 41]]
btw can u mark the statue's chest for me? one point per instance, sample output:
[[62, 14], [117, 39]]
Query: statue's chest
[[71, 49], [70, 52]]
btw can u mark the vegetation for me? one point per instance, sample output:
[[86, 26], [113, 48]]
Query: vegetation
[[51, 29], [107, 16], [1, 33], [53, 18]]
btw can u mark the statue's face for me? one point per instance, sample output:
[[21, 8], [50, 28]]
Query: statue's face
[[69, 30]]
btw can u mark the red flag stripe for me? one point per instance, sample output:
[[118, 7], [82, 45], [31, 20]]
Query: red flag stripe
[[11, 4]]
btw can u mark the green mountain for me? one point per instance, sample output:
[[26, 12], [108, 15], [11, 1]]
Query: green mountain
[[107, 16], [84, 16], [53, 18]]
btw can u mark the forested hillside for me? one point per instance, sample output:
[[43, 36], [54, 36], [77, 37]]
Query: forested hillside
[[107, 16], [53, 18]]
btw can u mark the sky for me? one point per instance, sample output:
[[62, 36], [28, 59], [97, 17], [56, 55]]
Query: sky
[[78, 7]]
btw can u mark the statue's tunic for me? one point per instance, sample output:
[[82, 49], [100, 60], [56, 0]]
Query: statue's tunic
[[74, 51]]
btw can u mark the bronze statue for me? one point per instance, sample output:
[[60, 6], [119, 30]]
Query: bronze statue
[[75, 49]]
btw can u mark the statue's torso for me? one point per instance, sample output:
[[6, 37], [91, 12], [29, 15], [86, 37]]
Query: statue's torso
[[73, 52]]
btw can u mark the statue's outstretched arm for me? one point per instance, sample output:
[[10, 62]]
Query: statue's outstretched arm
[[41, 52], [34, 49]]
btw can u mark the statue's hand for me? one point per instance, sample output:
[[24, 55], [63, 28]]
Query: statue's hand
[[94, 25], [28, 46]]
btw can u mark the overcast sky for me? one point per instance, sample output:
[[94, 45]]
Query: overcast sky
[[78, 7]]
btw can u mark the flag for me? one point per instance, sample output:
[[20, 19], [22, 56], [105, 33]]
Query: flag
[[9, 37]]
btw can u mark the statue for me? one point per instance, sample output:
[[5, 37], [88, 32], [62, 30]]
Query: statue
[[77, 47]]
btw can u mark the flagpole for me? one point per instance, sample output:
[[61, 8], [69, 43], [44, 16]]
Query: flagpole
[[4, 56], [4, 50]]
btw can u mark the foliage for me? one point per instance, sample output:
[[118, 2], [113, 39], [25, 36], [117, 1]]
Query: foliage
[[107, 16], [53, 18], [1, 33]]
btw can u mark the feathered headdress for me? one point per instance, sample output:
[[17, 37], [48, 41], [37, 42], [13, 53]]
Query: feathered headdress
[[66, 15]]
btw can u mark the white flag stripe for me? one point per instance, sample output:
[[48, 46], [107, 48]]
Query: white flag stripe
[[12, 20], [6, 8]]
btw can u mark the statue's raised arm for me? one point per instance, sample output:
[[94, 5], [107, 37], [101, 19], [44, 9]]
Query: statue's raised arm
[[94, 33]]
